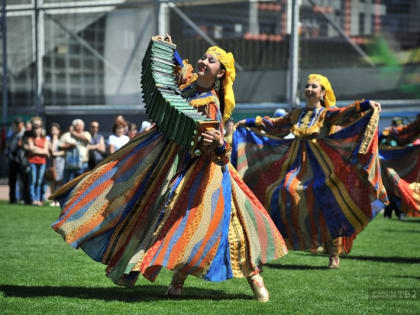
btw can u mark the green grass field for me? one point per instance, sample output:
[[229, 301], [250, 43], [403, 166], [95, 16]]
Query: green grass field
[[41, 274]]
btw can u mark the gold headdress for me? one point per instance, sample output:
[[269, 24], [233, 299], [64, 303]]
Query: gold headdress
[[329, 97], [227, 60]]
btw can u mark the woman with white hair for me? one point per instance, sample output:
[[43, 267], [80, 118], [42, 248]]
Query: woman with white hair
[[75, 143]]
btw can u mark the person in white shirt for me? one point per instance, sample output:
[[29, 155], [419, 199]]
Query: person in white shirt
[[118, 138]]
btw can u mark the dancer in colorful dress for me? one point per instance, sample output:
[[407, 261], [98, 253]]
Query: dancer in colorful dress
[[400, 166], [325, 185], [152, 205]]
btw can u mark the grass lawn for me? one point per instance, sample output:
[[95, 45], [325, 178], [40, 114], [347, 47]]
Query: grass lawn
[[41, 274]]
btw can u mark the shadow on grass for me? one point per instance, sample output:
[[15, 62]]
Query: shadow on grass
[[407, 277], [390, 259], [401, 231], [295, 267], [136, 294], [410, 221]]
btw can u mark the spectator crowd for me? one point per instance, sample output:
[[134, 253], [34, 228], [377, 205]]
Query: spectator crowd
[[41, 159]]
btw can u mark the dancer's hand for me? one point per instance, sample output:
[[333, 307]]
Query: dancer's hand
[[166, 38], [375, 104], [263, 125], [241, 123], [267, 123], [212, 138]]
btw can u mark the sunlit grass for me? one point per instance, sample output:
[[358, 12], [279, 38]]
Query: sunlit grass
[[41, 274]]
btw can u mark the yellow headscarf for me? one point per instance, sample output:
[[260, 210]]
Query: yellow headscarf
[[226, 59], [329, 97]]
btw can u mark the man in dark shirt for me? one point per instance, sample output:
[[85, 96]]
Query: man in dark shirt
[[17, 162], [97, 145]]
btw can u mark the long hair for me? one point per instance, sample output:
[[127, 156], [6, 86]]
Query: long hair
[[322, 99], [221, 91]]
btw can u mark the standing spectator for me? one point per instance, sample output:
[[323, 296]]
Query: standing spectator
[[28, 125], [36, 120], [96, 147], [118, 138], [16, 154], [132, 130], [25, 184], [120, 120], [57, 157], [75, 144], [37, 156]]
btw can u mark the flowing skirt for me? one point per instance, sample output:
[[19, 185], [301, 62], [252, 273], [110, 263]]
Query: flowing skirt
[[149, 205], [315, 190], [401, 176]]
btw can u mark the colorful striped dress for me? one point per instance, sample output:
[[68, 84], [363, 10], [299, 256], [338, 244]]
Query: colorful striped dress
[[400, 168], [151, 205], [321, 185]]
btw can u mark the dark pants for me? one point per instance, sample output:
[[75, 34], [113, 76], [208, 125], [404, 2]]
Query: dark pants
[[16, 170]]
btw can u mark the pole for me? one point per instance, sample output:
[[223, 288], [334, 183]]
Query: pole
[[163, 19], [253, 18], [4, 40], [39, 54], [294, 55]]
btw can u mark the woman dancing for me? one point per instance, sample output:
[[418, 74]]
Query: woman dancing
[[152, 205], [324, 185]]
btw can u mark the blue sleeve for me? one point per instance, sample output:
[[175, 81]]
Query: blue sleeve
[[250, 122], [178, 59], [364, 105]]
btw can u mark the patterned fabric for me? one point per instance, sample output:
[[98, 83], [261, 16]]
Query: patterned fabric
[[149, 205], [318, 186], [400, 168]]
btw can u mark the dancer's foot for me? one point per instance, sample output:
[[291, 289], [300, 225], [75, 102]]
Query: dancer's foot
[[176, 285], [257, 285], [174, 290], [334, 262], [125, 282], [319, 250]]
